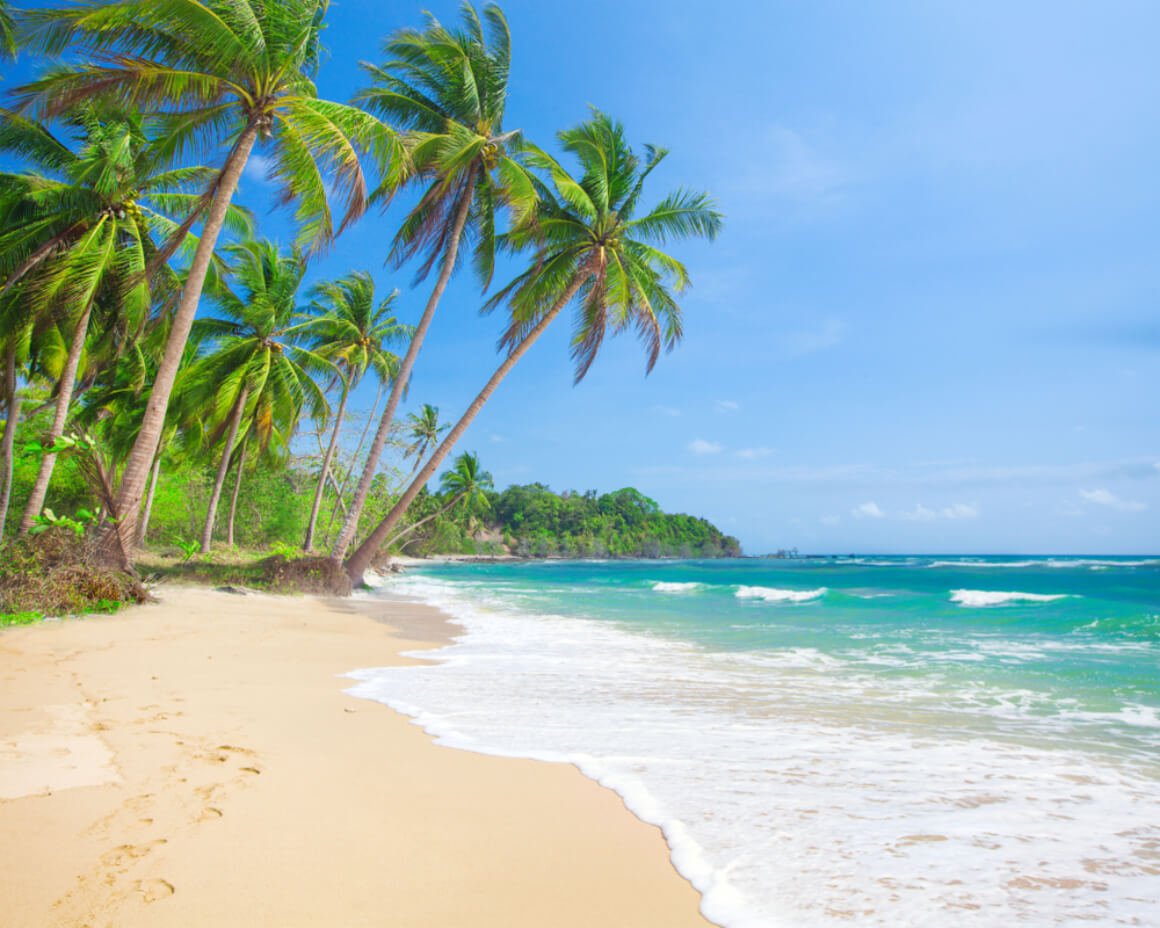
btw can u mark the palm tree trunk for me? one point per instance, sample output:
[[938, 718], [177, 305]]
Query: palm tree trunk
[[340, 488], [362, 491], [237, 487], [223, 469], [308, 544], [140, 459], [358, 562], [339, 502], [8, 448], [64, 394], [143, 525]]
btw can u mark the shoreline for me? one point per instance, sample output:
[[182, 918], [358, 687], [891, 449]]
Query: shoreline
[[197, 761]]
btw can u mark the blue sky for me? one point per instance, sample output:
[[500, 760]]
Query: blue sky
[[931, 321]]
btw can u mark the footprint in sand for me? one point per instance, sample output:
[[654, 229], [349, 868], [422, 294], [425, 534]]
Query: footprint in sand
[[209, 813], [125, 853], [154, 890]]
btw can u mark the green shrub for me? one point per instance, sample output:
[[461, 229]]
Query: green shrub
[[56, 573]]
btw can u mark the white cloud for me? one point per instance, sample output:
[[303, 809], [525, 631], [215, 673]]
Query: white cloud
[[257, 167], [725, 406], [796, 170], [921, 513], [752, 454], [700, 446], [1103, 497], [868, 510], [496, 439], [808, 341], [670, 411]]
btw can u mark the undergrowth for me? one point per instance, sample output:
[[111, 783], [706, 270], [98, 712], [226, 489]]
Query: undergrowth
[[55, 572]]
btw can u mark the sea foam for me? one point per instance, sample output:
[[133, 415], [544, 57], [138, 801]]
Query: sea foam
[[662, 586], [980, 598], [794, 788], [774, 595]]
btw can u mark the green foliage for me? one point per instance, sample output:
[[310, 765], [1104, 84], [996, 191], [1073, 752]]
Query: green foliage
[[188, 548], [20, 618], [533, 521], [284, 549], [76, 524]]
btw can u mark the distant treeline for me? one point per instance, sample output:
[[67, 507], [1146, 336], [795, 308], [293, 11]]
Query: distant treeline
[[533, 521]]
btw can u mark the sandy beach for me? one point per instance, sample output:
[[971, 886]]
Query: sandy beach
[[196, 762]]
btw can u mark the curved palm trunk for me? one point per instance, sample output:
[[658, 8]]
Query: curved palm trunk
[[143, 525], [308, 544], [64, 397], [223, 469], [350, 527], [140, 459], [359, 561], [8, 448], [237, 487]]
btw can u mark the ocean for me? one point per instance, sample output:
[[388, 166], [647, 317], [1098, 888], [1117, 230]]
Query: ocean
[[895, 741]]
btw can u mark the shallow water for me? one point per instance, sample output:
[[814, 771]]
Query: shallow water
[[902, 741]]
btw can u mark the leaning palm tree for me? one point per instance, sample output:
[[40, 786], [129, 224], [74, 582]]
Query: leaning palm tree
[[14, 339], [589, 246], [447, 89], [354, 333], [258, 370], [227, 74], [465, 484], [78, 232], [423, 428]]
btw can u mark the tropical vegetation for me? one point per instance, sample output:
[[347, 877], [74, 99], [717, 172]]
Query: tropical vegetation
[[154, 342]]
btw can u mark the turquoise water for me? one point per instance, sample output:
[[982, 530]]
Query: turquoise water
[[905, 741]]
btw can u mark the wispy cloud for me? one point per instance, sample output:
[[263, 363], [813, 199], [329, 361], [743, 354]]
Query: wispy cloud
[[701, 446], [818, 338], [796, 169], [752, 454], [257, 167], [726, 406], [868, 510], [670, 411], [921, 513], [830, 520], [1107, 498]]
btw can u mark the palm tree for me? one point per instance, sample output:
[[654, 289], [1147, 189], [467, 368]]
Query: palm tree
[[227, 74], [589, 247], [258, 370], [79, 233], [466, 482], [447, 89], [7, 33], [423, 429], [352, 332], [14, 334]]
